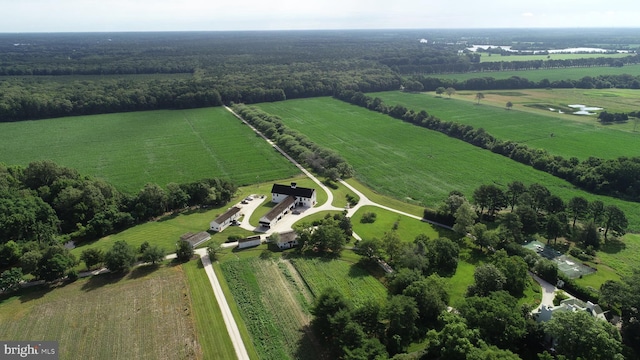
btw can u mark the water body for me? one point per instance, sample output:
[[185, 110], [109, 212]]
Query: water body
[[584, 110]]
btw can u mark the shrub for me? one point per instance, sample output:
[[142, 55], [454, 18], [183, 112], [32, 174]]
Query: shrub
[[368, 217]]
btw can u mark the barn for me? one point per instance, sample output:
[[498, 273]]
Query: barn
[[226, 219], [287, 198], [250, 241]]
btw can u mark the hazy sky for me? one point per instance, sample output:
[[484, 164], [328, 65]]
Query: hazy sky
[[157, 15]]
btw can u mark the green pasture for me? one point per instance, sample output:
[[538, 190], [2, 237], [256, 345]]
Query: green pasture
[[213, 338], [549, 74], [353, 281], [407, 228], [496, 58], [402, 160], [145, 314], [560, 134], [132, 149]]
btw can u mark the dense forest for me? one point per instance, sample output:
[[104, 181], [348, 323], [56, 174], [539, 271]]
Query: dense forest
[[53, 75]]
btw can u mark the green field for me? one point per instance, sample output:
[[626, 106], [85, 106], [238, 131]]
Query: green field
[[573, 135], [495, 58], [274, 304], [407, 228], [550, 74], [132, 149], [145, 315], [354, 282], [213, 337], [403, 160]]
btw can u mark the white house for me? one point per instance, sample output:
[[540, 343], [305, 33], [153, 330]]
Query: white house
[[287, 240], [254, 240], [287, 198], [224, 220], [546, 312]]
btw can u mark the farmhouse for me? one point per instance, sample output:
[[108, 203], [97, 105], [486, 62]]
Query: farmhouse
[[287, 198], [195, 239], [287, 240], [224, 220], [250, 241]]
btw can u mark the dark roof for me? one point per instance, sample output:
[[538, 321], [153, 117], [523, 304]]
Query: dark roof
[[196, 239], [250, 238], [287, 236], [222, 218], [288, 190], [278, 209]]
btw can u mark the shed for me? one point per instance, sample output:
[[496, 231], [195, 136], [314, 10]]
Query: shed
[[250, 241], [226, 219]]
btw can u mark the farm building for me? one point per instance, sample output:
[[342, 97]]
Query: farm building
[[195, 239], [250, 241], [287, 198], [287, 240], [224, 220]]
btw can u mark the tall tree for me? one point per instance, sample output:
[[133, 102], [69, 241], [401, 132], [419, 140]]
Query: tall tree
[[402, 312], [120, 258], [614, 220], [479, 96], [514, 190], [596, 210], [580, 335], [450, 91], [578, 207], [465, 218], [554, 227]]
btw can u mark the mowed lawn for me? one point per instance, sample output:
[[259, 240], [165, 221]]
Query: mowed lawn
[[145, 315], [573, 135], [132, 149], [402, 160], [550, 74], [407, 228]]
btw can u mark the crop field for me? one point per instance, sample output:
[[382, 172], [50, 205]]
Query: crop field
[[132, 149], [496, 58], [550, 74], [402, 160], [573, 135], [142, 316], [212, 333], [274, 304], [354, 282], [407, 228]]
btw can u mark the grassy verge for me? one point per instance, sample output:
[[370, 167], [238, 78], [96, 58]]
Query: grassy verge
[[212, 334]]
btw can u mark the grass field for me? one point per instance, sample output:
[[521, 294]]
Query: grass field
[[274, 304], [354, 282], [145, 315], [402, 160], [550, 74], [573, 135], [132, 149], [495, 58], [407, 228], [213, 337]]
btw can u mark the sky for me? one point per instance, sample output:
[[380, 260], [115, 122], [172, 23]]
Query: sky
[[217, 15]]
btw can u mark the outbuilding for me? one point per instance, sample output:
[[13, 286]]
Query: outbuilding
[[287, 198], [250, 241], [226, 219]]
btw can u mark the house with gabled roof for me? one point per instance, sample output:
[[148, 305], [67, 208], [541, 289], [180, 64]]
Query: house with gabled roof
[[226, 219], [287, 198]]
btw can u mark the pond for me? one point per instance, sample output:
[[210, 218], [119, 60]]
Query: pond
[[584, 110]]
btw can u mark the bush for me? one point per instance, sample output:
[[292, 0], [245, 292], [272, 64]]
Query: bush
[[368, 217], [560, 295], [233, 238]]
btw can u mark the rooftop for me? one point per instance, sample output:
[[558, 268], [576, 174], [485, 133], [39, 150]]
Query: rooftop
[[228, 214], [278, 209], [292, 190]]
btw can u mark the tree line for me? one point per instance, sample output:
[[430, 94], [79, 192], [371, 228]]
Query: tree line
[[612, 177], [323, 161], [44, 205]]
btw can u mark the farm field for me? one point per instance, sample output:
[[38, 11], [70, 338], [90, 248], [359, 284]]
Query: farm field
[[402, 160], [550, 74], [496, 58], [132, 149], [274, 304], [354, 282], [573, 135], [145, 315]]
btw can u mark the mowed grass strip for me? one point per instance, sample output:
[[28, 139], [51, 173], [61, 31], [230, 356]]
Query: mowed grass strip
[[403, 160], [550, 74], [212, 333], [353, 281], [268, 301], [145, 315], [132, 149], [560, 134]]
